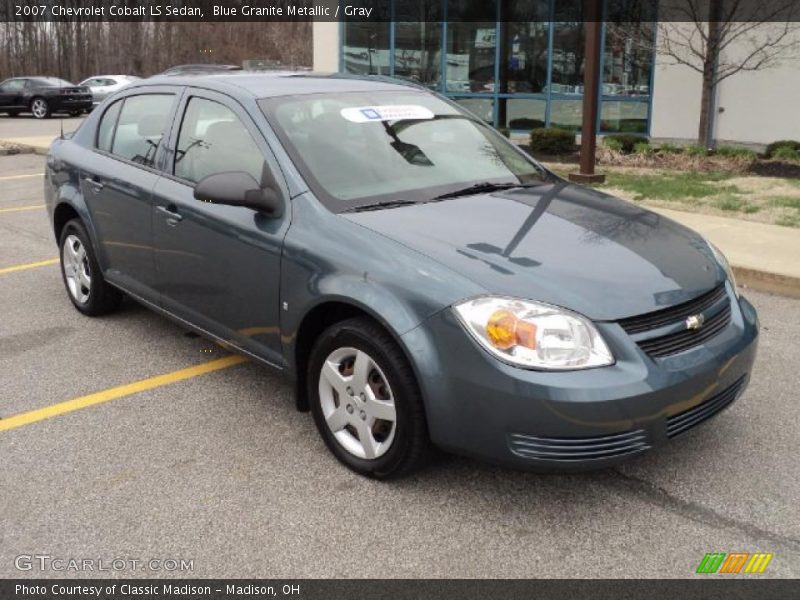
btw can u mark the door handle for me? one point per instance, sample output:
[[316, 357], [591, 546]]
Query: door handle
[[95, 184], [171, 212]]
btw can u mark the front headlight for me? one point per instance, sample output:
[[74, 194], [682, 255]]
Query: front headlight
[[534, 335], [726, 266]]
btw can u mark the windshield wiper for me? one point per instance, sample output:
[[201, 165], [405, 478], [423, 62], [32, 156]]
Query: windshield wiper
[[483, 187], [381, 205]]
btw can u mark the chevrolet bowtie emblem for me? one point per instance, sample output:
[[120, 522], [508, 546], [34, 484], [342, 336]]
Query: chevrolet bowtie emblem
[[695, 322]]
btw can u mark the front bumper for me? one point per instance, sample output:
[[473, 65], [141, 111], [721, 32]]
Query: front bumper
[[575, 420]]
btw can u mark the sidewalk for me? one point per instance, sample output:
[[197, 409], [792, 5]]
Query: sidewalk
[[37, 144], [764, 257]]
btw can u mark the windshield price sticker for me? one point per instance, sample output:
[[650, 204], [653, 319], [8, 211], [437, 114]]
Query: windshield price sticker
[[397, 112]]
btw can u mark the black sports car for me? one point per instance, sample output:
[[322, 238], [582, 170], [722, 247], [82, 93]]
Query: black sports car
[[42, 96]]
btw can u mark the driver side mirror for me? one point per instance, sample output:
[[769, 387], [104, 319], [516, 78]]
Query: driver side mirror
[[237, 188]]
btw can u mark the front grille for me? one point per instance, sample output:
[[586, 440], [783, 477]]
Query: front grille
[[678, 424], [689, 338], [657, 319], [575, 449]]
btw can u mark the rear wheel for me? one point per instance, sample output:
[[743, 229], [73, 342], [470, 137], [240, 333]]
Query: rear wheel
[[74, 113], [85, 285], [365, 400], [40, 108]]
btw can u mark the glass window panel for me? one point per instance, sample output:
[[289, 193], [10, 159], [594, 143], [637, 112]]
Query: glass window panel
[[213, 140], [105, 132], [566, 114], [470, 48], [366, 48], [482, 107], [141, 126], [568, 49], [523, 44], [624, 117], [418, 52], [628, 59], [521, 113]]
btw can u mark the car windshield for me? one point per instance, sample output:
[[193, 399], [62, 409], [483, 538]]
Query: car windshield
[[52, 82], [360, 149]]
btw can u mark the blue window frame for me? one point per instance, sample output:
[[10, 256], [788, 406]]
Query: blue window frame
[[465, 75]]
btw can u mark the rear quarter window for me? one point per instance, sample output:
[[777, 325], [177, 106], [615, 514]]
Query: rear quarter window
[[108, 122]]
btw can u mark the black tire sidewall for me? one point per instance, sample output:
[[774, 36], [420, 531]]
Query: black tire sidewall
[[76, 228], [404, 391]]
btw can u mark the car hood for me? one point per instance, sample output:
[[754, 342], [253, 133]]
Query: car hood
[[558, 243]]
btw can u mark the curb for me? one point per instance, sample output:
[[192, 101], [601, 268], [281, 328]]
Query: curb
[[764, 281], [17, 149]]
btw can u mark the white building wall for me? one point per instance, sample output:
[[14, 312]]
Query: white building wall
[[759, 106], [325, 46]]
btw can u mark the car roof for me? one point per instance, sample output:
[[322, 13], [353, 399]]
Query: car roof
[[279, 83]]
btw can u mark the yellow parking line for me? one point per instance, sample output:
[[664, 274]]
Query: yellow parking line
[[120, 391], [33, 265], [21, 176], [19, 208]]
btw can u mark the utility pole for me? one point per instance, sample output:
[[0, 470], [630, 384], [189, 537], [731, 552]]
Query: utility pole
[[593, 22]]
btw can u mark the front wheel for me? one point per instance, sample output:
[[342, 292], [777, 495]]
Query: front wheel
[[40, 108], [365, 400], [85, 285]]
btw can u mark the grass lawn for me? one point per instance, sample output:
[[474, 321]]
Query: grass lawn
[[773, 200]]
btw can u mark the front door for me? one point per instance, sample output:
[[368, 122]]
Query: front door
[[219, 266]]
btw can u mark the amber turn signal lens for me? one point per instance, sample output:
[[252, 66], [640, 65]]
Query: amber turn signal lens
[[505, 331], [501, 329]]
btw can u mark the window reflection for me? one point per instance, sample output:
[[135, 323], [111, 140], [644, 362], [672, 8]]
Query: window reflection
[[523, 114], [624, 117], [418, 48], [470, 48], [366, 48], [568, 48]]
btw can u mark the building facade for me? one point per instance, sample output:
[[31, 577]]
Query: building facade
[[524, 69]]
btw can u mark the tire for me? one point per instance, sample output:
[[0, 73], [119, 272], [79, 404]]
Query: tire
[[344, 410], [40, 108], [13, 113], [81, 274], [75, 113]]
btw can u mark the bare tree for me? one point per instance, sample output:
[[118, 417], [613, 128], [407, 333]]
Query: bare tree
[[720, 38]]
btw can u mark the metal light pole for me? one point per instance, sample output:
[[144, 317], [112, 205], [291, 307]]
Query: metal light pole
[[593, 22]]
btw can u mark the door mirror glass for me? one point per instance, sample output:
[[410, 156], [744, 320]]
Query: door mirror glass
[[237, 188]]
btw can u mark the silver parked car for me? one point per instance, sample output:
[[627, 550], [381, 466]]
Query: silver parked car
[[103, 86]]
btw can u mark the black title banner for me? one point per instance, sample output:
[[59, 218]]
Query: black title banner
[[371, 589], [762, 11]]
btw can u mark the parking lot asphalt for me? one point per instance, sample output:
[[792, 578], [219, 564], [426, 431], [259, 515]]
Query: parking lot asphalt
[[220, 469], [26, 126]]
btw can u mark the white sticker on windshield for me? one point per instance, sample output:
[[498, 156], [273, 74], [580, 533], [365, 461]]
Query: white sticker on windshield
[[397, 112]]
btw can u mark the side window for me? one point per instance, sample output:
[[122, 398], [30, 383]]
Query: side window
[[141, 126], [213, 140], [105, 131], [15, 85]]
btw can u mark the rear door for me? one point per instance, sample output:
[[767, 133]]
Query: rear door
[[11, 93], [118, 184], [219, 266]]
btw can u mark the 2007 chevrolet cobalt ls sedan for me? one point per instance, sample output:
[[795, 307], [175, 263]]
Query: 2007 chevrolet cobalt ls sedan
[[422, 280]]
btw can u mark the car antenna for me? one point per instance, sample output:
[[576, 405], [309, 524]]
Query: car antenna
[[61, 120]]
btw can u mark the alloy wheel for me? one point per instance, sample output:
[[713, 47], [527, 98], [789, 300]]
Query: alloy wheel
[[357, 403], [39, 108], [76, 269]]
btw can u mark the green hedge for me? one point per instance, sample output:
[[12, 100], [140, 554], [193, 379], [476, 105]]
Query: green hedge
[[552, 140], [624, 142], [775, 146]]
